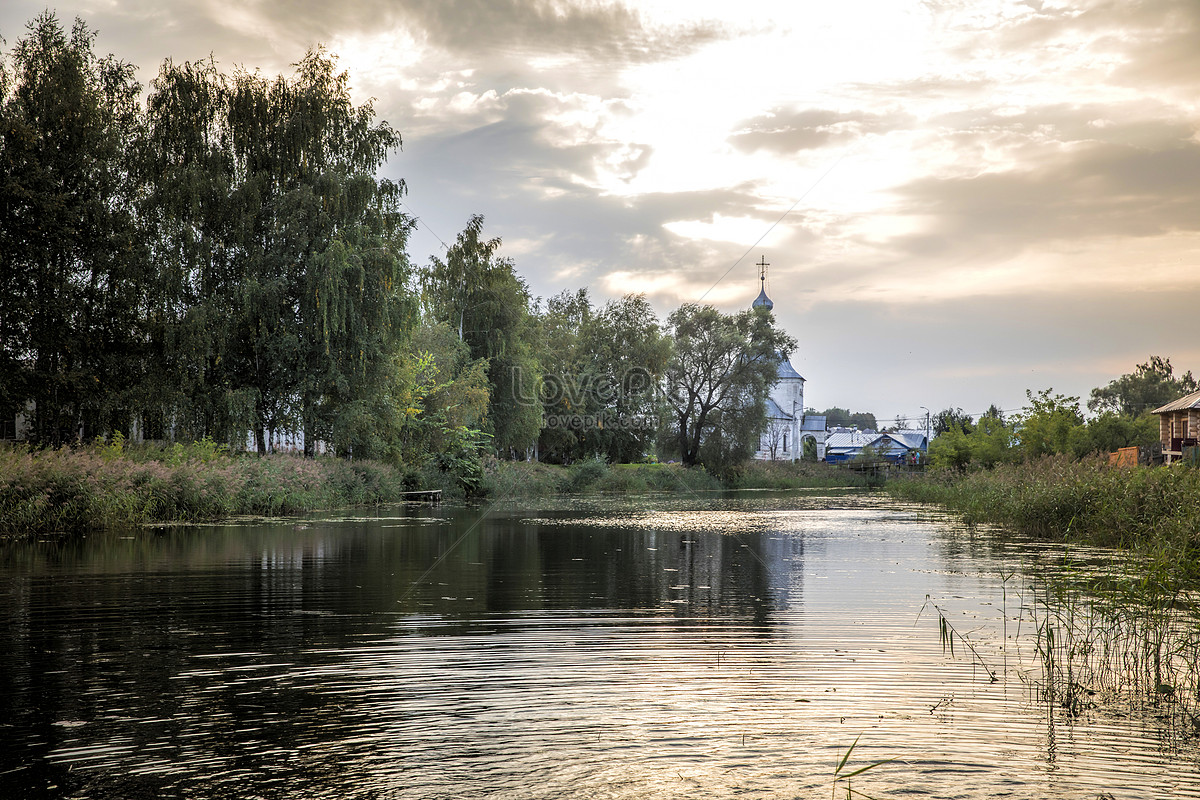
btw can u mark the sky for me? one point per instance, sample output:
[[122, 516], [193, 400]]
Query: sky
[[958, 201]]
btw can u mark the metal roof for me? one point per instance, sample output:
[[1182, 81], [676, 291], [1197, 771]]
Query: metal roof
[[775, 412], [850, 440], [1182, 404], [912, 439], [762, 299], [855, 440], [786, 370]]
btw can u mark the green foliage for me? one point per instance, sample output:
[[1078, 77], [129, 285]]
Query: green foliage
[[224, 260], [584, 475], [991, 441], [1048, 424], [602, 369], [71, 264], [950, 419], [480, 295], [717, 382], [836, 417], [1149, 386]]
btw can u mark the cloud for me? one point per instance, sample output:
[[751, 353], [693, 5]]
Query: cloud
[[1093, 190], [785, 131]]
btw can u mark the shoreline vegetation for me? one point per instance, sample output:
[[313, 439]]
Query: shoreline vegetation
[[108, 485], [1076, 501]]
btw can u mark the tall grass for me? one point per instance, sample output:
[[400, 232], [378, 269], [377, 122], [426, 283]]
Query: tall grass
[[72, 490], [1060, 498], [796, 475], [1131, 631]]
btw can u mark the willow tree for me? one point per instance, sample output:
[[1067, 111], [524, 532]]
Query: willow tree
[[189, 221], [283, 298], [71, 265]]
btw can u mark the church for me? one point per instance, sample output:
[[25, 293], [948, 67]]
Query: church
[[788, 428]]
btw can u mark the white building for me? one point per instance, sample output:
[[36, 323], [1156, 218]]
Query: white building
[[787, 425]]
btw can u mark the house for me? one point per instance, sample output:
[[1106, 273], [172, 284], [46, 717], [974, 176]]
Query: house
[[17, 426], [847, 444], [1179, 425], [788, 428]]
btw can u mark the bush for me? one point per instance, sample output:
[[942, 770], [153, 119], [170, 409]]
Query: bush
[[583, 475]]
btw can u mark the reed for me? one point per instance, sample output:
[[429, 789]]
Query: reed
[[843, 774], [1127, 634], [72, 490], [1063, 499]]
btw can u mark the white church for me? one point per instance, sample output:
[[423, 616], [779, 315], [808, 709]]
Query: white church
[[788, 428]]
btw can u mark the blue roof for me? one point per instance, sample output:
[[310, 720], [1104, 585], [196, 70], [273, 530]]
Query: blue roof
[[786, 370], [762, 299]]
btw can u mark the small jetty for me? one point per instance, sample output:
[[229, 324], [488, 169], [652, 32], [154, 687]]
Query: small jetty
[[431, 496]]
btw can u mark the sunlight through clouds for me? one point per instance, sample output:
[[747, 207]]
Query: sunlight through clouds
[[946, 163]]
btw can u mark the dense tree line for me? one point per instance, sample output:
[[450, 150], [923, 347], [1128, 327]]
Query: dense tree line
[[220, 259], [1053, 423]]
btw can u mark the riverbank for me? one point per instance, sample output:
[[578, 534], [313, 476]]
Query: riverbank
[[515, 479], [111, 485], [72, 490], [1081, 501]]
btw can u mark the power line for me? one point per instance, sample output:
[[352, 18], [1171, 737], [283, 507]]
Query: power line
[[426, 224], [773, 225]]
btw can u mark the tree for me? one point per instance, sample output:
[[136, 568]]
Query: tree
[[281, 302], [188, 217], [718, 378], [479, 294], [1048, 424], [775, 437], [951, 418], [836, 417], [1110, 431], [72, 267], [1149, 386], [323, 305], [627, 354], [988, 442]]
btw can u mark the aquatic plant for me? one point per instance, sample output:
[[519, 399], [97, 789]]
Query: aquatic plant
[[948, 634], [843, 777]]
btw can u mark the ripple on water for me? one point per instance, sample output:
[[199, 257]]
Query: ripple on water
[[732, 650]]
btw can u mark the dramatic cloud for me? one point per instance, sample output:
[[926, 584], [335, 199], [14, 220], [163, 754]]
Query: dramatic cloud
[[959, 199]]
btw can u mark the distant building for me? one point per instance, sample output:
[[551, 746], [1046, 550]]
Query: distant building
[[844, 444], [1179, 425], [787, 426]]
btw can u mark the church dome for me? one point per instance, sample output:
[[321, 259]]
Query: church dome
[[762, 300]]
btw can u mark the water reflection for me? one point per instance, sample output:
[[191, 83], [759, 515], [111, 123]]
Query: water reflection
[[672, 649]]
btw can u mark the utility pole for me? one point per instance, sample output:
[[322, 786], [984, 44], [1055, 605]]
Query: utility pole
[[926, 410]]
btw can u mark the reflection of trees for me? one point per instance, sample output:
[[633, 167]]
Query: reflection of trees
[[200, 651]]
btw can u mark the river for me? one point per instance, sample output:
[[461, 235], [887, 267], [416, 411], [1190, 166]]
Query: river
[[712, 646]]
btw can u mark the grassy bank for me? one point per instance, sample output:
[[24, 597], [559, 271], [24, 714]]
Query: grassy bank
[[1060, 498], [523, 479], [71, 490], [108, 485]]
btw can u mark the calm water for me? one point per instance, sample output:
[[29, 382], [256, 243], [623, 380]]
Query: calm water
[[703, 647]]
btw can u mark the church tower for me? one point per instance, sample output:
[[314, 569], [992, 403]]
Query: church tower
[[786, 423]]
